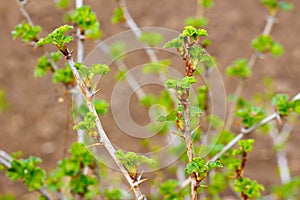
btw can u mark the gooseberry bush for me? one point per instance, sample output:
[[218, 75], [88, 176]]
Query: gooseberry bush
[[210, 152]]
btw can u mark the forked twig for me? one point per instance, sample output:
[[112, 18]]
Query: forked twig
[[271, 20], [242, 133]]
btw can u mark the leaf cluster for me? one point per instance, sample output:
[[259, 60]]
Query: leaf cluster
[[239, 68], [284, 106], [248, 187], [180, 85], [168, 190], [266, 44], [201, 168], [86, 20], [43, 65], [27, 32], [73, 168], [131, 161], [250, 115], [27, 171], [88, 124], [58, 38], [88, 73], [64, 75]]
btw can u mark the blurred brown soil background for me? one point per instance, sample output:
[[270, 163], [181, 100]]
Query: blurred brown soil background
[[36, 121]]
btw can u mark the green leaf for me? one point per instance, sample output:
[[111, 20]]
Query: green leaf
[[88, 124], [117, 50], [118, 16], [64, 75], [273, 5], [239, 68], [42, 67], [201, 168], [295, 106], [206, 3], [195, 111], [175, 43], [171, 84], [217, 184], [148, 100], [69, 166], [26, 170], [101, 106], [55, 181], [282, 104], [288, 190], [121, 75], [81, 184], [4, 103], [152, 39], [250, 115], [113, 194], [250, 188], [276, 49], [131, 161], [180, 84], [286, 6], [245, 146], [81, 153], [57, 38], [202, 95], [196, 22], [55, 56], [7, 197], [62, 3], [168, 190], [169, 117], [27, 32], [100, 69], [156, 67], [262, 43], [86, 20], [265, 44], [193, 32]]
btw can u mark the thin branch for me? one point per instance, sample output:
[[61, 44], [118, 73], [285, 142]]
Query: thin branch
[[80, 46], [80, 55], [280, 139], [243, 133], [24, 12], [137, 32], [271, 20], [102, 137], [188, 139]]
